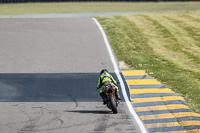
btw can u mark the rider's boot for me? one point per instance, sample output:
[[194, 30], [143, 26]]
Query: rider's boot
[[103, 96], [117, 95]]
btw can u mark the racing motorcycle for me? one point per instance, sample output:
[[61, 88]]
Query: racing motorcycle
[[112, 101]]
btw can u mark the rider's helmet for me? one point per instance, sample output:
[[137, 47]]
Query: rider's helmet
[[103, 71]]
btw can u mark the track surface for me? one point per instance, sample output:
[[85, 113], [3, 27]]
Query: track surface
[[49, 71]]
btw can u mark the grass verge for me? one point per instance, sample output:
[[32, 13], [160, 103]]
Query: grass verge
[[68, 7], [166, 45]]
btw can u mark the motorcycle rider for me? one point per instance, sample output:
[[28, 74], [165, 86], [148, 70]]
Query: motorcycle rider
[[105, 76]]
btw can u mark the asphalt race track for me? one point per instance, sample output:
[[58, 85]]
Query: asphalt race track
[[49, 71]]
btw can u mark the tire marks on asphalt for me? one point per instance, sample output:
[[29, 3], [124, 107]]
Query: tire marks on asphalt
[[102, 122], [51, 67]]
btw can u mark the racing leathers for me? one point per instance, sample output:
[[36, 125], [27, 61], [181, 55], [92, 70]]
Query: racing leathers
[[101, 83]]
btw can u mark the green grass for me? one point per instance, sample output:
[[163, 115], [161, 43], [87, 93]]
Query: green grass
[[166, 45], [68, 7]]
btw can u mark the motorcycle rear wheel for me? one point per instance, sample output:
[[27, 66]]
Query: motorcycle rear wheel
[[113, 104]]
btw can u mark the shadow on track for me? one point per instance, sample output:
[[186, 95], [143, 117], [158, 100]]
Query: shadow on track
[[90, 111], [50, 87]]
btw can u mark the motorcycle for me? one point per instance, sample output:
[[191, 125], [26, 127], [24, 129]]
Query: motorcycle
[[112, 102]]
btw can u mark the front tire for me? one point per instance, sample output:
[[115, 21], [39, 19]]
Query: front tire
[[113, 104]]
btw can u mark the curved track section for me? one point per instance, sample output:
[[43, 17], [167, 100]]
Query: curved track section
[[49, 71]]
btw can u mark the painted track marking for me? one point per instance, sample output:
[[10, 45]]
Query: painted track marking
[[160, 108]]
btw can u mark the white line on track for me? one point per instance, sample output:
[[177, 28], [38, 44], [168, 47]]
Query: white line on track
[[116, 69]]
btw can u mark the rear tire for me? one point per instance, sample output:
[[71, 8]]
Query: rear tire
[[113, 104]]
